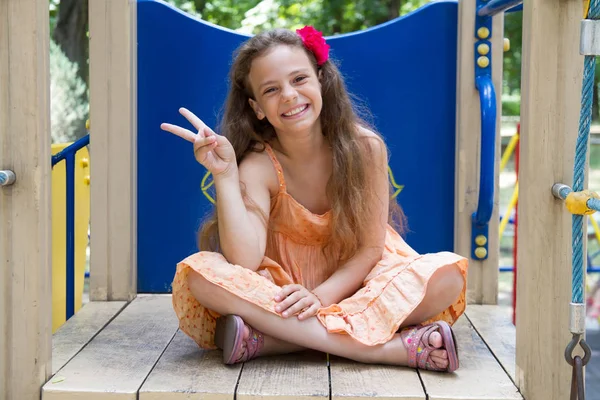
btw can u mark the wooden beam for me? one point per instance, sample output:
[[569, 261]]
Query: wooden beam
[[550, 103], [352, 380], [480, 376], [482, 275], [25, 233], [117, 361], [186, 371], [494, 325], [77, 332], [290, 377], [113, 111]]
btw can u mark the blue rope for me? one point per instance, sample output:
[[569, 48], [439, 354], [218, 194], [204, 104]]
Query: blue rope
[[594, 204], [585, 119]]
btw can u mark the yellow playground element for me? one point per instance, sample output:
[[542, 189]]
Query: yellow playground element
[[59, 240]]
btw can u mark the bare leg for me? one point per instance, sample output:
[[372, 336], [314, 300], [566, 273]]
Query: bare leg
[[290, 334], [273, 346]]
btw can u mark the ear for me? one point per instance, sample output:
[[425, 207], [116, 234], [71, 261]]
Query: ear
[[257, 110]]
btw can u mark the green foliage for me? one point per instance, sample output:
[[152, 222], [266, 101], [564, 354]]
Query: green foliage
[[342, 16], [512, 58], [511, 105], [53, 10], [335, 17], [68, 98], [330, 16], [227, 13]]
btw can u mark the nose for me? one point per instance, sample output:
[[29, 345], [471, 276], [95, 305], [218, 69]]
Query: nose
[[288, 93]]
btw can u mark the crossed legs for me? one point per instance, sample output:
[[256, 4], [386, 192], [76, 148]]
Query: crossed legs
[[284, 335]]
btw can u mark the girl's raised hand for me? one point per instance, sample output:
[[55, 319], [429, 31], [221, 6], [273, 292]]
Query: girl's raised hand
[[213, 151]]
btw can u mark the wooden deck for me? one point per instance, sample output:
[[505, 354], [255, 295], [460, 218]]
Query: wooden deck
[[111, 350]]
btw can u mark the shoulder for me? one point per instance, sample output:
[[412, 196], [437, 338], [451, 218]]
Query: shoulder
[[374, 144], [257, 167]]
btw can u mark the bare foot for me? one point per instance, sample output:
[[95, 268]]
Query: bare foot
[[439, 357], [397, 350]]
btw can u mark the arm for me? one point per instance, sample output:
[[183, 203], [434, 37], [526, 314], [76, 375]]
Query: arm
[[242, 228], [349, 277], [243, 225]]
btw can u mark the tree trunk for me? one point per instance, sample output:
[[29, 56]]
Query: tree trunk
[[70, 33], [394, 9]]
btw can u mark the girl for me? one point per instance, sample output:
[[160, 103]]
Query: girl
[[301, 252]]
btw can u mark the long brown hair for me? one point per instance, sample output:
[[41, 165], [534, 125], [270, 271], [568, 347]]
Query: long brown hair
[[341, 125]]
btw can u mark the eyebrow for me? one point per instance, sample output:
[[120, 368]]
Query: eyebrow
[[290, 74]]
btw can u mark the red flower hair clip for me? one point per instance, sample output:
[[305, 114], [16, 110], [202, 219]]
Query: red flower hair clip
[[313, 40]]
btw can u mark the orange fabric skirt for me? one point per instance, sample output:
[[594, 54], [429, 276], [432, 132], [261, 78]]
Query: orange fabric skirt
[[391, 291]]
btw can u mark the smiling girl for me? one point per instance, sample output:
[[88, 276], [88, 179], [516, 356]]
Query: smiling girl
[[303, 250]]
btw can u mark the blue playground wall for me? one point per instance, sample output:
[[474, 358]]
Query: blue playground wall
[[403, 70]]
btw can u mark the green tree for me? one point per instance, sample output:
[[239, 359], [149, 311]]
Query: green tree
[[330, 16], [69, 26], [69, 30], [68, 97], [512, 59]]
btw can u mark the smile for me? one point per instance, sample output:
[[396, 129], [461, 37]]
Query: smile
[[296, 111]]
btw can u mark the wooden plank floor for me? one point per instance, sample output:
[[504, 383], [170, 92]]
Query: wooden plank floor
[[137, 352]]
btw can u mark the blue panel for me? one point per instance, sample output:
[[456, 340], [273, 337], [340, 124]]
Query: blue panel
[[404, 70]]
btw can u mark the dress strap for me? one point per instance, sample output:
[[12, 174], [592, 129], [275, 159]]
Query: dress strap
[[277, 165]]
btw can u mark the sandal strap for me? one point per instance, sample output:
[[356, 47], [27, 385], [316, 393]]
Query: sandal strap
[[254, 344], [416, 340]]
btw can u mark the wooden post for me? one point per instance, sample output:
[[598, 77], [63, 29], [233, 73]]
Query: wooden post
[[113, 147], [483, 275], [550, 104], [25, 232]]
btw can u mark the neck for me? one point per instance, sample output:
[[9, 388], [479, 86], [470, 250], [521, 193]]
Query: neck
[[301, 146]]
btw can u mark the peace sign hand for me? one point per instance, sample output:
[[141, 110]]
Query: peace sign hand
[[213, 151]]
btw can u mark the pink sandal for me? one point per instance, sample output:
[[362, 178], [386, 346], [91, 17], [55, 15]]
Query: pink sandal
[[416, 340], [229, 336]]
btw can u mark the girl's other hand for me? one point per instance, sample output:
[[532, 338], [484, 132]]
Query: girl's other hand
[[297, 299], [213, 151]]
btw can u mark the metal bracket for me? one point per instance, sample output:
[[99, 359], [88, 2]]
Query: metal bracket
[[479, 241], [483, 45], [7, 178], [589, 41]]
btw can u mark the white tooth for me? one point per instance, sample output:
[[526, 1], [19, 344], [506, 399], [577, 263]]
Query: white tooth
[[294, 111]]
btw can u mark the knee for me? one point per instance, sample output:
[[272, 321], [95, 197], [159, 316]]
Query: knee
[[199, 286], [450, 281]]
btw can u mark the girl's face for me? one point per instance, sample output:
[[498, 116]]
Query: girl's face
[[286, 89]]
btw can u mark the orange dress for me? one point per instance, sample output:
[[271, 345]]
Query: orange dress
[[294, 254]]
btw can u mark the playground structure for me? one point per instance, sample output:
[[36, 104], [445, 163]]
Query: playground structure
[[92, 353]]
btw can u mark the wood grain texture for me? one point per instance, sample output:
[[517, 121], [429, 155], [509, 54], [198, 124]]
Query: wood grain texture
[[551, 96], [25, 207], [187, 372], [117, 361], [479, 376], [352, 381], [71, 337], [482, 275], [113, 185], [293, 376], [494, 325]]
